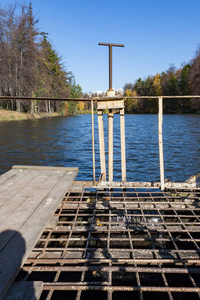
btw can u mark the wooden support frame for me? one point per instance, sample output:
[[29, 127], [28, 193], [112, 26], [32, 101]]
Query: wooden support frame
[[112, 106], [110, 145], [102, 145], [93, 149], [160, 141], [123, 144]]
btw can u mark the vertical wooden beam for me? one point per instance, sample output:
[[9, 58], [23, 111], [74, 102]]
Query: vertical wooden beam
[[123, 151], [102, 145], [93, 149], [110, 145], [160, 141]]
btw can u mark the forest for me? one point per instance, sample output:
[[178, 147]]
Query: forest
[[29, 66], [173, 82]]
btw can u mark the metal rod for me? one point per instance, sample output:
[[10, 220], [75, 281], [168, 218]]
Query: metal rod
[[160, 141], [110, 68], [110, 145], [93, 149], [110, 45]]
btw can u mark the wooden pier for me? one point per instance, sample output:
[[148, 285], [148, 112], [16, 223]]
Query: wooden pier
[[29, 195]]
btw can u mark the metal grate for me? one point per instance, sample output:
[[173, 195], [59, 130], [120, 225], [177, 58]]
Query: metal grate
[[120, 244]]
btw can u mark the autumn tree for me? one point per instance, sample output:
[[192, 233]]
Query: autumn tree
[[157, 85], [131, 105], [29, 64], [194, 79]]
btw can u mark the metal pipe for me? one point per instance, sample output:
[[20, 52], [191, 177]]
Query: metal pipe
[[110, 68], [110, 45]]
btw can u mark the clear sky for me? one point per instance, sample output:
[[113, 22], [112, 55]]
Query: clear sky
[[156, 33]]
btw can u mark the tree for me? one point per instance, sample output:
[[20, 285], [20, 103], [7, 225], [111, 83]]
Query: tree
[[131, 105], [195, 73], [128, 86], [157, 85], [194, 79], [184, 80], [75, 92], [29, 65], [173, 87], [138, 86], [81, 105]]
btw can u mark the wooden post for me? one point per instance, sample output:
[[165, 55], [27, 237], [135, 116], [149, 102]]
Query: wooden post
[[93, 150], [110, 145], [102, 145], [123, 152], [160, 141]]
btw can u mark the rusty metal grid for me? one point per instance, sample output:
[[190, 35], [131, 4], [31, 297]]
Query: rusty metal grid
[[120, 244]]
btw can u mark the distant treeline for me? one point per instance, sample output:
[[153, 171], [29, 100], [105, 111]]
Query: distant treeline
[[29, 66], [173, 82]]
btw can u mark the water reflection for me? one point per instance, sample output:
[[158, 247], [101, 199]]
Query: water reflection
[[66, 141]]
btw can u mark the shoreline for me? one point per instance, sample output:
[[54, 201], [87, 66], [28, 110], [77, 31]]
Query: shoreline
[[9, 115]]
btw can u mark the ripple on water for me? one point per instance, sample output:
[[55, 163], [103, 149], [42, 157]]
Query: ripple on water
[[66, 141]]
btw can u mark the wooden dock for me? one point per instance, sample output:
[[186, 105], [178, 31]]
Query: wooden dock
[[29, 195]]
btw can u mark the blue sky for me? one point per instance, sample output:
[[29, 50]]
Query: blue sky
[[155, 34]]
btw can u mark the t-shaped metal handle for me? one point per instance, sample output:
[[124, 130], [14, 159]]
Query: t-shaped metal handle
[[110, 45]]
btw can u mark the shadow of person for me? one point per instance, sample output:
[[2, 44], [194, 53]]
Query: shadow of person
[[12, 250]]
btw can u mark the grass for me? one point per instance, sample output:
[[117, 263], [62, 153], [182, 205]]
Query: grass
[[8, 115]]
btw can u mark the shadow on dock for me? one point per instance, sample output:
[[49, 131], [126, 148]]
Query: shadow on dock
[[13, 248]]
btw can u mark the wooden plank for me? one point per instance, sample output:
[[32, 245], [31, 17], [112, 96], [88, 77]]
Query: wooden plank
[[52, 223], [22, 230], [160, 141], [24, 211], [110, 145], [20, 197], [27, 290], [48, 168], [7, 175], [123, 150], [102, 145], [16, 183], [110, 104]]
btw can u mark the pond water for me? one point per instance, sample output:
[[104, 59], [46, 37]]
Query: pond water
[[67, 142]]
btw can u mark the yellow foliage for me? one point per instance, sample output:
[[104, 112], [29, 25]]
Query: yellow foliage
[[66, 108], [81, 105], [157, 85], [130, 103], [128, 93]]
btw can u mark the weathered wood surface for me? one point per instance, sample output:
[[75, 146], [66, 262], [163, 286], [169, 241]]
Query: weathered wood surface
[[123, 144], [102, 144], [110, 145], [27, 290], [160, 141], [28, 198]]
